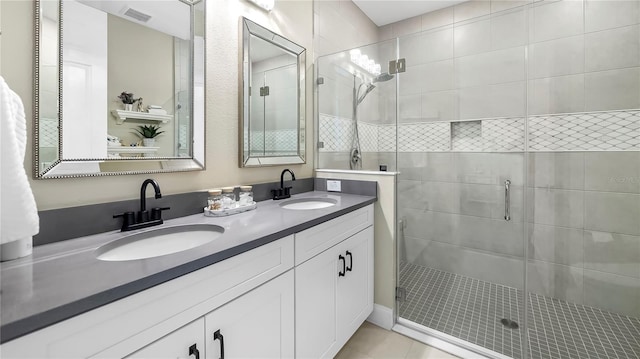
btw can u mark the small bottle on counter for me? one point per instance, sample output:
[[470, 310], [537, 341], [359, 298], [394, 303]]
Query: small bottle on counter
[[214, 201], [228, 198], [246, 196]]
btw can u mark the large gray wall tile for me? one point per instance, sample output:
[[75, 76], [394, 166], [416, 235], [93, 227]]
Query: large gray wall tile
[[503, 100], [439, 196], [612, 212], [559, 245], [612, 49], [612, 90], [440, 167], [556, 19], [440, 76], [490, 168], [562, 94], [427, 225], [612, 171], [472, 38], [440, 105], [557, 207], [411, 80], [471, 9], [556, 281], [563, 170], [438, 18], [438, 44], [410, 108], [612, 253], [411, 194], [490, 235], [334, 160], [502, 5], [407, 26], [564, 56], [498, 269], [475, 199], [508, 29], [411, 165], [474, 70], [612, 292], [601, 15], [412, 48]]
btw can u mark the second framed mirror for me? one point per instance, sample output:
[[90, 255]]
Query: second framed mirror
[[272, 105]]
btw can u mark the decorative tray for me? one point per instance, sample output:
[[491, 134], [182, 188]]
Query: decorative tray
[[227, 212]]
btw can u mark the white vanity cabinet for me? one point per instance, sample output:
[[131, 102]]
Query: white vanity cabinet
[[334, 288], [301, 296]]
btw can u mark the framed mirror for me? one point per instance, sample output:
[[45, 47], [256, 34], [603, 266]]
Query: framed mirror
[[272, 105], [119, 87]]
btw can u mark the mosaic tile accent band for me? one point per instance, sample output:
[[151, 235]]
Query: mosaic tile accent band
[[49, 132], [589, 131], [283, 140], [471, 309]]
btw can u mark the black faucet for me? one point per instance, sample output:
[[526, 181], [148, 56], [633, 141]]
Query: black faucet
[[283, 192], [143, 219]]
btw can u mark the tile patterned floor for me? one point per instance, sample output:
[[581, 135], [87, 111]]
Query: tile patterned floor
[[373, 342], [471, 309]]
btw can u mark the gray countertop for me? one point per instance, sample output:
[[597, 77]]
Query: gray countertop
[[64, 279]]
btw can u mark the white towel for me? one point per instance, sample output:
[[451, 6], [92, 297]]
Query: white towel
[[19, 219]]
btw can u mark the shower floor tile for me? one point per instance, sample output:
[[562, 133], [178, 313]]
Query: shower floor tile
[[471, 309]]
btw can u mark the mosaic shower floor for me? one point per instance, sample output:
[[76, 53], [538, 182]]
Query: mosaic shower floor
[[472, 310]]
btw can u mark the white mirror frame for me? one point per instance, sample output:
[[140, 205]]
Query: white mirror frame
[[247, 29], [91, 167]]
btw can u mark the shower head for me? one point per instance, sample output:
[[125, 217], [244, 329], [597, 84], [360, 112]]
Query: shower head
[[382, 77], [369, 88]]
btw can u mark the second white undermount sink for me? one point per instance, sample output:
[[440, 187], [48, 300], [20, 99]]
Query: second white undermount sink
[[159, 242], [308, 203]]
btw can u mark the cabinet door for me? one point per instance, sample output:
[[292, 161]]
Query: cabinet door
[[355, 289], [316, 285], [186, 342], [259, 324]]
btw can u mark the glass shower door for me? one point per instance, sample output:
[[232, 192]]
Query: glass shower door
[[584, 180], [460, 198]]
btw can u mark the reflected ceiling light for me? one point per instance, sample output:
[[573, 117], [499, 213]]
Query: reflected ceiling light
[[266, 5], [364, 62]]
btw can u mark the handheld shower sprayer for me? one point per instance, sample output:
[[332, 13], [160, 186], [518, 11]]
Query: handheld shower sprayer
[[355, 158]]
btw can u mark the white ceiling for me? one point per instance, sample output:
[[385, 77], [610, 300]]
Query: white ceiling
[[383, 12]]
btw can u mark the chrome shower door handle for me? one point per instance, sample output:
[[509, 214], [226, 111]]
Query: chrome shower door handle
[[507, 200]]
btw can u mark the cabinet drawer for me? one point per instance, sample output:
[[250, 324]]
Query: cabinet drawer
[[175, 345], [315, 240]]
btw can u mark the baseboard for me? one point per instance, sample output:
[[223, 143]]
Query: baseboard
[[381, 316]]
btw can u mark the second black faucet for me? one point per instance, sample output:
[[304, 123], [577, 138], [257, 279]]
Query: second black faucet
[[283, 192]]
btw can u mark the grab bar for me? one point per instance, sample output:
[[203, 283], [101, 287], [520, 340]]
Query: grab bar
[[507, 200]]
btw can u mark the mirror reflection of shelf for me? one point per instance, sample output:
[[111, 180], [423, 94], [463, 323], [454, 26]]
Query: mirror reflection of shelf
[[122, 115], [119, 150]]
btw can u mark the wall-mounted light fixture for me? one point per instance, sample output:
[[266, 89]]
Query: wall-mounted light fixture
[[266, 5]]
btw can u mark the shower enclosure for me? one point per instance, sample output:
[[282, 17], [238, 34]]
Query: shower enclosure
[[516, 136]]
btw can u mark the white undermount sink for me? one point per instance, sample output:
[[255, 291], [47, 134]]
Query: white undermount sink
[[159, 242], [308, 203]]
